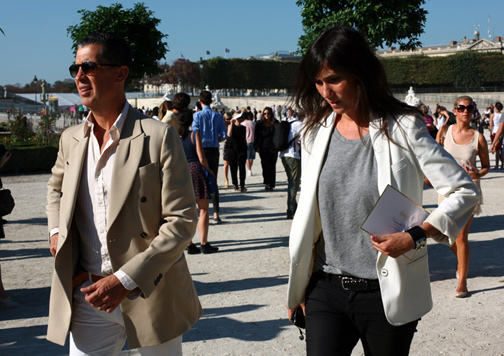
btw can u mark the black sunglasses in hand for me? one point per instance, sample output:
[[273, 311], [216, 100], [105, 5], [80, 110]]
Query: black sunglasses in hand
[[89, 68]]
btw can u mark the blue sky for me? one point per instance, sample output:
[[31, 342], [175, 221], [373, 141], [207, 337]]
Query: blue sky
[[36, 41]]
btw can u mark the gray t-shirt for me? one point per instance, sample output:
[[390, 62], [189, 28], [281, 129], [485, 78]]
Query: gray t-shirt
[[347, 192]]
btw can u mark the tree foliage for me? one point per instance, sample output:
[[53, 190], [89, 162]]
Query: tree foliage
[[468, 70], [220, 73], [382, 22], [136, 25], [183, 72]]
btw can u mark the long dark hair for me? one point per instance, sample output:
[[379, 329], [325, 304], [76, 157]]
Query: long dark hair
[[268, 123], [347, 52], [185, 121]]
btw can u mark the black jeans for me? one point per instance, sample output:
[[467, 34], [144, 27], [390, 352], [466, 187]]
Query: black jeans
[[212, 156], [237, 162], [268, 163], [336, 319]]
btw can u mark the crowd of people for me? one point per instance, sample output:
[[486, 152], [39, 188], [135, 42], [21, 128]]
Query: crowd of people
[[344, 136]]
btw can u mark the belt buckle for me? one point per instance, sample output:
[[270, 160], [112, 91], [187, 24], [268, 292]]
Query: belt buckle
[[346, 282]]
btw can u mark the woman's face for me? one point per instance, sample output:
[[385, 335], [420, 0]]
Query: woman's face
[[339, 90], [268, 115], [464, 111]]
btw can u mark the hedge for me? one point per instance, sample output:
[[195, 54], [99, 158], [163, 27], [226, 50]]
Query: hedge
[[463, 70], [30, 159]]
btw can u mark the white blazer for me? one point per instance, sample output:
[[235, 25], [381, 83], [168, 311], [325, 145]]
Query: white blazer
[[404, 283]]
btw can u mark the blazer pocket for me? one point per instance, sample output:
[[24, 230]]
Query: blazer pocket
[[151, 168], [399, 165]]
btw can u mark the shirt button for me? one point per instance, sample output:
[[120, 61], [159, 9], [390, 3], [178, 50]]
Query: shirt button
[[143, 199], [384, 272], [143, 235]]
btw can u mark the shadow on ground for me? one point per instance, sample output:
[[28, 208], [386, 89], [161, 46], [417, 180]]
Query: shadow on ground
[[28, 340]]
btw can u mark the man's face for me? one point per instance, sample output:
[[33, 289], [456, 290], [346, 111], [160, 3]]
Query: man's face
[[96, 89]]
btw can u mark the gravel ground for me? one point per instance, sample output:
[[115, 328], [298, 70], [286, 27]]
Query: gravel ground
[[242, 288]]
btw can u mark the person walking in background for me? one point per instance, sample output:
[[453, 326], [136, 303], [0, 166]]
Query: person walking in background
[[250, 126], [291, 160], [237, 150], [180, 102], [263, 143], [358, 139], [193, 149], [120, 214], [6, 300], [465, 143], [212, 129], [495, 119], [227, 119], [429, 121], [278, 114], [165, 106]]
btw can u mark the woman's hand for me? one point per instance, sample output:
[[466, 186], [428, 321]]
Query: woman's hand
[[393, 245], [472, 171], [291, 311]]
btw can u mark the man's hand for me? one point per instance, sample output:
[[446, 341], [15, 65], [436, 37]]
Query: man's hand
[[290, 312], [53, 245], [393, 245], [106, 294]]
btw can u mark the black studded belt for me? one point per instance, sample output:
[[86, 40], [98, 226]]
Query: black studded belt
[[351, 283]]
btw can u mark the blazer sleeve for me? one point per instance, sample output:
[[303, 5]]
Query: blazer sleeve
[[448, 178], [54, 189], [179, 217]]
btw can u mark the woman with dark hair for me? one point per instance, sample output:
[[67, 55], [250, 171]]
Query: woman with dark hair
[[237, 150], [193, 148], [358, 139], [263, 143]]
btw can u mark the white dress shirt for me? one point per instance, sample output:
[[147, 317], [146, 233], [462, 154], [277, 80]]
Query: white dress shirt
[[93, 201]]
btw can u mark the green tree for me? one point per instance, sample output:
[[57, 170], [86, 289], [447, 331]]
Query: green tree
[[183, 72], [382, 22], [137, 25]]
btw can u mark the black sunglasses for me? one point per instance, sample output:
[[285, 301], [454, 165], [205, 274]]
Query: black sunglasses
[[89, 68], [461, 108]]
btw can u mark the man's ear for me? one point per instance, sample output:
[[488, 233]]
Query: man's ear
[[122, 74]]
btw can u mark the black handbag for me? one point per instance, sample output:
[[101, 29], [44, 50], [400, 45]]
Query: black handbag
[[299, 321], [6, 202]]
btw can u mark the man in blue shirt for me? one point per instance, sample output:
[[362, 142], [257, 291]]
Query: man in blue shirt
[[212, 129]]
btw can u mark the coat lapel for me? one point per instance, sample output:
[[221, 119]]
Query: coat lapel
[[319, 147], [381, 148], [73, 173], [126, 162]]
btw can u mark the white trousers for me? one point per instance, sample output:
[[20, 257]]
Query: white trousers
[[98, 333]]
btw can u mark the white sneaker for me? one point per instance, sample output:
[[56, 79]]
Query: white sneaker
[[249, 173]]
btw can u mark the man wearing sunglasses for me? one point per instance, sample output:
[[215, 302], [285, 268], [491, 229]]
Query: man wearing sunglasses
[[121, 211]]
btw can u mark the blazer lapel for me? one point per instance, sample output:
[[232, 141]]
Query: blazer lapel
[[71, 183], [126, 163], [381, 147], [319, 148]]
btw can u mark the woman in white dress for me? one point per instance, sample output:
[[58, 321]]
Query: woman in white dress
[[464, 144]]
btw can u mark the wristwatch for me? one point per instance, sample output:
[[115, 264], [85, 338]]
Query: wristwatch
[[418, 236]]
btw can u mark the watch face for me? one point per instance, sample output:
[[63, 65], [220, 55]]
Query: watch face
[[419, 244]]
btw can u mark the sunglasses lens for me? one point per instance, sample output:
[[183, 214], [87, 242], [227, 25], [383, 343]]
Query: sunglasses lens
[[469, 108], [73, 70], [89, 68]]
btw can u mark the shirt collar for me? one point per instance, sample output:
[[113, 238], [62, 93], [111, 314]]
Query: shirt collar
[[115, 130]]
